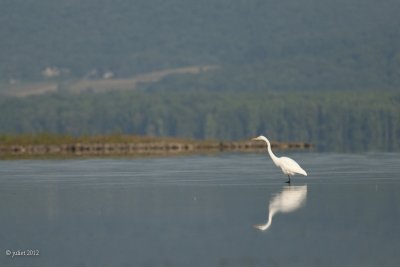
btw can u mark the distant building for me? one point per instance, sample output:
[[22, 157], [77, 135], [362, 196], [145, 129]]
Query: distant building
[[108, 75], [51, 72], [13, 81]]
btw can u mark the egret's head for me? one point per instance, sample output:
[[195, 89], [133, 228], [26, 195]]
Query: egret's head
[[259, 138]]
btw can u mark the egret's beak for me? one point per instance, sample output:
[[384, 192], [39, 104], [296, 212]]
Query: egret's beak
[[254, 139]]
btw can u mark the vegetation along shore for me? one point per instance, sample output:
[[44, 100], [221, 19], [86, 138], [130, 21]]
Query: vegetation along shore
[[45, 144]]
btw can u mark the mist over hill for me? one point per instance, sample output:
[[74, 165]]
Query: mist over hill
[[268, 44]]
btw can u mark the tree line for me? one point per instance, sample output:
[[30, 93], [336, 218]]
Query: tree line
[[342, 121]]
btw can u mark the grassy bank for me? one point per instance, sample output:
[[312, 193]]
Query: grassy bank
[[100, 145], [57, 139]]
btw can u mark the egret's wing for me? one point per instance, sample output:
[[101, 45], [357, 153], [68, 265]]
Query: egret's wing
[[291, 166]]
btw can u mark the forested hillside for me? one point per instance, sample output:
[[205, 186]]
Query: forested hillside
[[332, 121], [319, 71], [317, 44]]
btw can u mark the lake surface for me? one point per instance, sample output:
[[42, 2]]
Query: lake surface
[[219, 210]]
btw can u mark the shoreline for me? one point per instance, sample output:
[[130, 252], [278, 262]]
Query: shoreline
[[138, 148]]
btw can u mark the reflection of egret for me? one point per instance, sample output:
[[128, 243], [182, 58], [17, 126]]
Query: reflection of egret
[[288, 166], [290, 199]]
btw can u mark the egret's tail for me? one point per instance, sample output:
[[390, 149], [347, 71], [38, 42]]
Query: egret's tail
[[303, 172]]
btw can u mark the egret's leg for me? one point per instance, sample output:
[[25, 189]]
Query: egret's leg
[[288, 181]]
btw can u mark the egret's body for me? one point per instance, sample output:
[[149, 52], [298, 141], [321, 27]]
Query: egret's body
[[287, 165]]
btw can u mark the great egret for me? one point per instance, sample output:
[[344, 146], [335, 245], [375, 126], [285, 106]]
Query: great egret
[[288, 165], [290, 199]]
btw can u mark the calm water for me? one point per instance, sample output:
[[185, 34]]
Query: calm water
[[201, 211]]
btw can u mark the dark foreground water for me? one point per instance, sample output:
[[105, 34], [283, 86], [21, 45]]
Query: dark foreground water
[[201, 211]]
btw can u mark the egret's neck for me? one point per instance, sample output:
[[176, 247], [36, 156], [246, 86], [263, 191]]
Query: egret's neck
[[268, 224], [264, 227], [271, 154]]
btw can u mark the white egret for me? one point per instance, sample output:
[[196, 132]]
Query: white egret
[[287, 165], [290, 199]]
